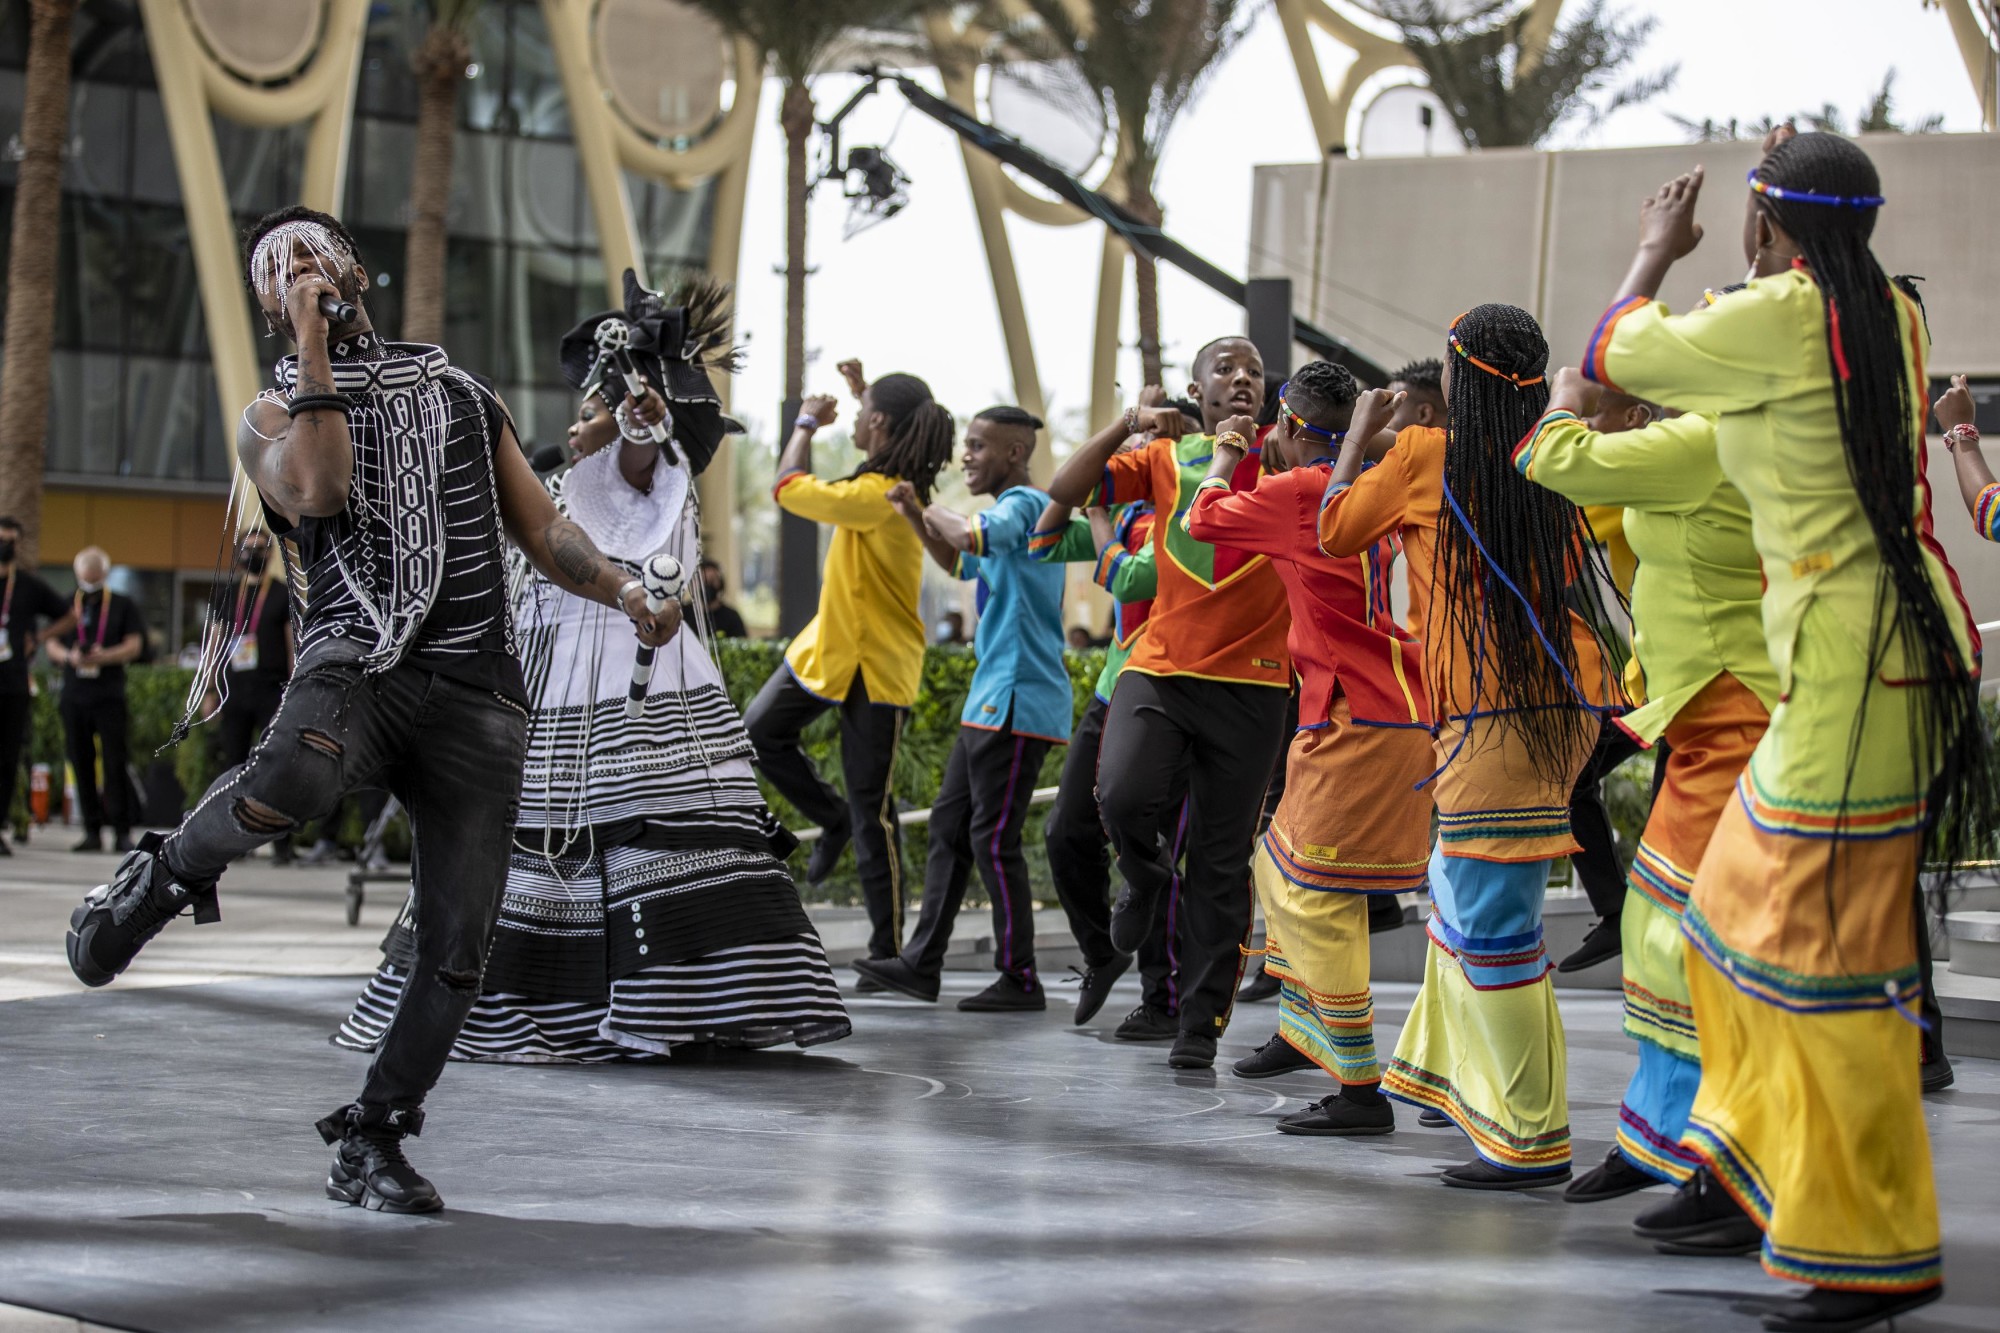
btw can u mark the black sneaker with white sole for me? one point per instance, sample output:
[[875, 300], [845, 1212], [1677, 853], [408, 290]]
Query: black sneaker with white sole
[[118, 919], [369, 1169]]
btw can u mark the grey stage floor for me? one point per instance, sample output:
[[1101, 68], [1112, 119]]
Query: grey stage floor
[[158, 1170]]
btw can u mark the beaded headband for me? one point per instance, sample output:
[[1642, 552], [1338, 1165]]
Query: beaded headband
[[1808, 197], [1299, 423], [1518, 381]]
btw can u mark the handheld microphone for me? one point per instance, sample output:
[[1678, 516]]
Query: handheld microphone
[[547, 458], [336, 310], [665, 580]]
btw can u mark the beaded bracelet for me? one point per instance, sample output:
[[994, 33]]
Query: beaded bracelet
[[806, 421], [313, 402], [1131, 421], [1963, 433], [1232, 439]]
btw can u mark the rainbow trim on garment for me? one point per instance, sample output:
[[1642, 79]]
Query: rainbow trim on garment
[[1321, 868], [1986, 513], [1733, 1167], [1518, 381], [1796, 991], [1335, 1032], [1524, 452], [1771, 191], [1891, 817], [1510, 1152], [1655, 877], [1551, 821], [1600, 340]]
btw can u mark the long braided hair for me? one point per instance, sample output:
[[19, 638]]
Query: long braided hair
[[919, 433], [1508, 550], [1951, 753]]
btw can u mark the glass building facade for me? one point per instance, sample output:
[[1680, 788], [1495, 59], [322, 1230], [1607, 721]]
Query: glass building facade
[[134, 403]]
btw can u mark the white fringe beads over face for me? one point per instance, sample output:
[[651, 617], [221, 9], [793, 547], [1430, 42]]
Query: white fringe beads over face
[[270, 263]]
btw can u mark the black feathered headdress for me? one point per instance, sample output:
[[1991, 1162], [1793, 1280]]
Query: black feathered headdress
[[675, 346]]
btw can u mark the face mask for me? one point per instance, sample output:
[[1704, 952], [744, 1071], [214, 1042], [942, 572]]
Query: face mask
[[91, 588], [6, 550]]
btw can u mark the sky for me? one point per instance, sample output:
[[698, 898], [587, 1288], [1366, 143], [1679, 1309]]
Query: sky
[[913, 293]]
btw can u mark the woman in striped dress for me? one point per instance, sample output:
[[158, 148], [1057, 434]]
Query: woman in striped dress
[[647, 902]]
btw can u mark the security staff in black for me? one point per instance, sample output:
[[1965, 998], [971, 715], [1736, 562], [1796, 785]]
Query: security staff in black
[[109, 633], [30, 612]]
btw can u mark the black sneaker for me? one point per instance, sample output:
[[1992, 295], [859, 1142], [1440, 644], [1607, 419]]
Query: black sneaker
[[1259, 988], [122, 843], [896, 975], [1824, 1310], [118, 919], [1132, 917], [369, 1169], [1094, 985], [1148, 1024], [1700, 1219], [1600, 944], [5, 850], [1614, 1179], [826, 852], [1276, 1056], [1937, 1073], [1340, 1116], [1480, 1174], [868, 985], [1008, 994], [93, 841], [1193, 1050]]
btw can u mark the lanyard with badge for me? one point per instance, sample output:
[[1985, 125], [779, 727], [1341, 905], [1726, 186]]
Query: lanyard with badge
[[243, 635], [103, 624]]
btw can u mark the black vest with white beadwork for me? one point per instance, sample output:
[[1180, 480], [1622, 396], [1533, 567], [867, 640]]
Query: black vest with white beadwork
[[413, 567]]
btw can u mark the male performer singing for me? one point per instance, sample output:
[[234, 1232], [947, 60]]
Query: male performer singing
[[390, 475]]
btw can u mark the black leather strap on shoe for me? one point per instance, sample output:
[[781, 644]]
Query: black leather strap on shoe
[[357, 1115]]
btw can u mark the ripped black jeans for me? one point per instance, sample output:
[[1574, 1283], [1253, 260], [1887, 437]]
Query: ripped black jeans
[[452, 754]]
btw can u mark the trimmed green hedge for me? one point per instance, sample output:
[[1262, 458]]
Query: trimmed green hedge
[[157, 695]]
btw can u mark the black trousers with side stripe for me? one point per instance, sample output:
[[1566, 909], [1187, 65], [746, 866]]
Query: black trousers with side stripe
[[977, 819], [1227, 737]]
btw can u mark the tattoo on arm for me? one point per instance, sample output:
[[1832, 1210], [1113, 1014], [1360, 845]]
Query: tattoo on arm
[[572, 552]]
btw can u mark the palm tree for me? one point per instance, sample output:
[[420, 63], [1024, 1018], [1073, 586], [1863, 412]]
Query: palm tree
[[1511, 83], [1145, 60], [797, 38], [439, 63], [31, 268], [1878, 116]]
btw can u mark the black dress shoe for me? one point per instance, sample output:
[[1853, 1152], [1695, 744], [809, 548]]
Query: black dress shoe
[[122, 843], [92, 842], [369, 1169], [1094, 986], [1614, 1179], [1148, 1024], [1601, 943], [118, 919], [1340, 1116], [1701, 1219], [1132, 918], [1480, 1174], [1384, 913], [826, 852], [5, 850], [1276, 1056], [868, 985], [1432, 1118], [1259, 988], [896, 975], [1193, 1050], [1824, 1310], [1938, 1073], [1007, 994]]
